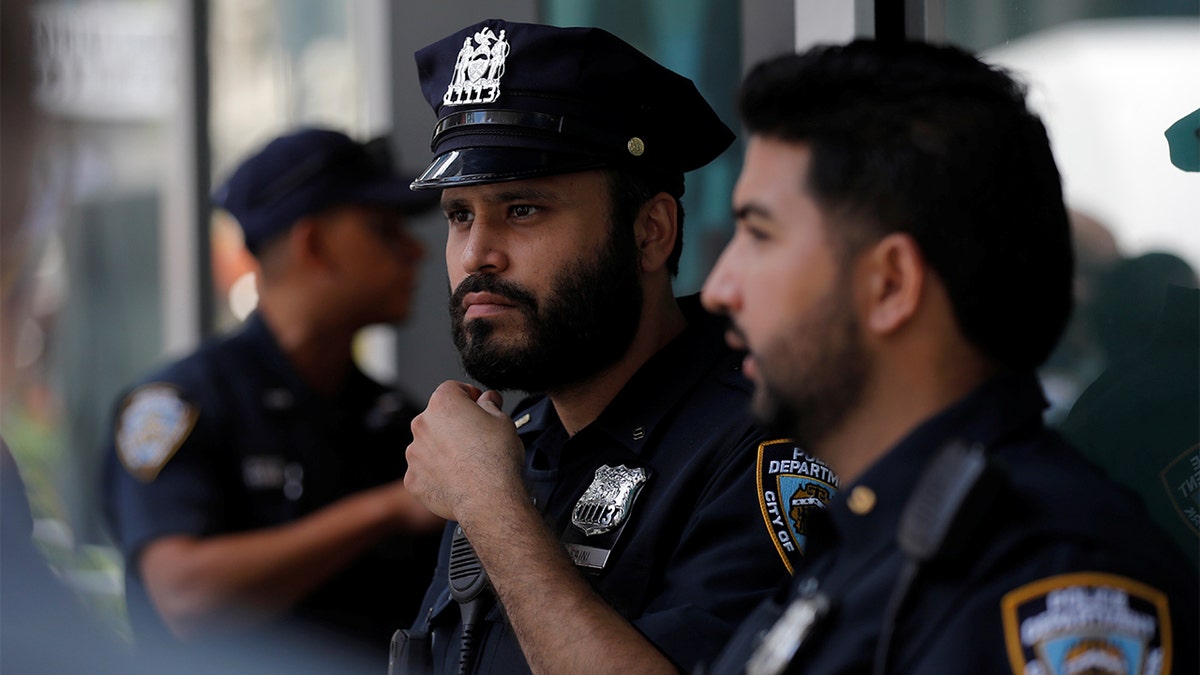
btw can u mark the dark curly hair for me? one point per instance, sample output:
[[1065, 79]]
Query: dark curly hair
[[928, 140]]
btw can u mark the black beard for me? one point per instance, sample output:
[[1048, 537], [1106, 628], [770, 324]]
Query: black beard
[[823, 382], [585, 324]]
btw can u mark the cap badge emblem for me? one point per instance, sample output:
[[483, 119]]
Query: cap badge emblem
[[478, 69]]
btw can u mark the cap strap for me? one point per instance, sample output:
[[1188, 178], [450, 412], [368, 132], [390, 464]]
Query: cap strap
[[555, 124]]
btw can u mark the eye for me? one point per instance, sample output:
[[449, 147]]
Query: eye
[[755, 233], [459, 216], [524, 210]]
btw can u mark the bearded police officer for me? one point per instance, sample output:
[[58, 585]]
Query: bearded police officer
[[617, 515], [901, 265], [255, 485]]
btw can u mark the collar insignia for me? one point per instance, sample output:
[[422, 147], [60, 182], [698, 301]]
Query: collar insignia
[[478, 69]]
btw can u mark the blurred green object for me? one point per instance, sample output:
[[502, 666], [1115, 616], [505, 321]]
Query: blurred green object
[[1183, 139]]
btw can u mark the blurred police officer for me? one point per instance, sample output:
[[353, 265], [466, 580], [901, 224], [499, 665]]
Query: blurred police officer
[[618, 515], [256, 485], [901, 266]]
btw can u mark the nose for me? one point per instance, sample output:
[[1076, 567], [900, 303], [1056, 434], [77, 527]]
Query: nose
[[481, 248], [721, 291]]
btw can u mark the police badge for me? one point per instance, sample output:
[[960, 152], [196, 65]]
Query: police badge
[[606, 502], [478, 70], [602, 513], [153, 424], [791, 485]]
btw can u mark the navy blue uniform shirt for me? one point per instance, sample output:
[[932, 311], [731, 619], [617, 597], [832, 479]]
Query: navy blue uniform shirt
[[692, 557], [229, 439], [1063, 570]]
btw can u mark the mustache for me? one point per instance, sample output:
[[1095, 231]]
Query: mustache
[[487, 283]]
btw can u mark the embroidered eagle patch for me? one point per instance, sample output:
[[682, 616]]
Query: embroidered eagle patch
[[153, 423], [1087, 622], [791, 485]]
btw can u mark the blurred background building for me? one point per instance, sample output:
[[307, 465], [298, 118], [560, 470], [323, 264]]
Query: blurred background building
[[116, 263]]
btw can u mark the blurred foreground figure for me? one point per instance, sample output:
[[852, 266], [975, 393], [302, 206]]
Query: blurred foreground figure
[[901, 266]]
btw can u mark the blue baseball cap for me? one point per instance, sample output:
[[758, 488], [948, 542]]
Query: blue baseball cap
[[517, 100], [307, 171]]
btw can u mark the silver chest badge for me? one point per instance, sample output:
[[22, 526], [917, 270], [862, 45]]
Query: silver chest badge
[[478, 69], [606, 502]]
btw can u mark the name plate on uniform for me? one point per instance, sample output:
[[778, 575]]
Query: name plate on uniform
[[588, 556]]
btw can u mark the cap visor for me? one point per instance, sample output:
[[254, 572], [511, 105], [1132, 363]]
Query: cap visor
[[472, 166]]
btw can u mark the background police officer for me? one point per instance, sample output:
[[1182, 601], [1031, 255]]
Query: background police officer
[[255, 485], [616, 514], [900, 267]]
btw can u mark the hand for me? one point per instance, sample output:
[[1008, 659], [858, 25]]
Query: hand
[[465, 457], [409, 514]]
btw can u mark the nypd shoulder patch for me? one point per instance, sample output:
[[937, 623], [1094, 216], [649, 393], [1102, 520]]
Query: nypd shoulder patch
[[791, 484], [153, 423], [1087, 622]]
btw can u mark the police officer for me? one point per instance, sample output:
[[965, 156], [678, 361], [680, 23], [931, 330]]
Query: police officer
[[255, 486], [901, 266], [617, 512]]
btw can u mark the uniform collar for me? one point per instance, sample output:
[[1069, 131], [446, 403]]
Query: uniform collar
[[284, 389], [996, 409], [656, 388]]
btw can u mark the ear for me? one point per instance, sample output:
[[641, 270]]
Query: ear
[[895, 274], [656, 230], [307, 244]]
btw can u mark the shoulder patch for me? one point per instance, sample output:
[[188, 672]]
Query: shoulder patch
[[153, 423], [1181, 480], [791, 483], [1087, 622]]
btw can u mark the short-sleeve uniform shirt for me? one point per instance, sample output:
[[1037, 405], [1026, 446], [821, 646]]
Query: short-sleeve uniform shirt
[[229, 439]]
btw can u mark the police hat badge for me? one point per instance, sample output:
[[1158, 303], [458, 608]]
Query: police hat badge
[[478, 69]]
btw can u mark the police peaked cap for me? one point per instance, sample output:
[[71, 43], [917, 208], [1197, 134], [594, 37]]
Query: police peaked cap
[[308, 170], [517, 100]]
